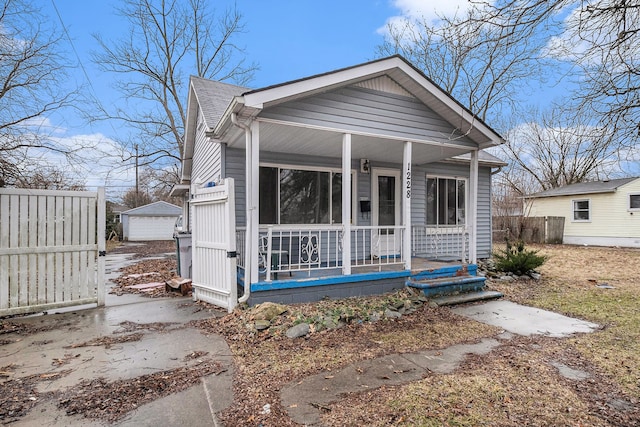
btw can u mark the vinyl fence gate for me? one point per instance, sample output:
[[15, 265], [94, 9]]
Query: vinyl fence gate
[[50, 242], [213, 227]]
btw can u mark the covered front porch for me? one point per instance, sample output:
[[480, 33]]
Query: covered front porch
[[300, 264]]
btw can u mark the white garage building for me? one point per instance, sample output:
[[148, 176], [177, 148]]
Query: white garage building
[[154, 221]]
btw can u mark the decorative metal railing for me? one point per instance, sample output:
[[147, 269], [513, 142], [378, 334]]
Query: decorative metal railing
[[450, 242]]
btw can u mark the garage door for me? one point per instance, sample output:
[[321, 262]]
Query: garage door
[[151, 227]]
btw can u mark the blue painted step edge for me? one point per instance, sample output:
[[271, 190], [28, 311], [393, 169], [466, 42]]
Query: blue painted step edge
[[449, 287], [452, 271]]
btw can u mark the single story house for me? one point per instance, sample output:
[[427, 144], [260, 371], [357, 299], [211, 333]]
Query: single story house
[[345, 183], [155, 221], [600, 213]]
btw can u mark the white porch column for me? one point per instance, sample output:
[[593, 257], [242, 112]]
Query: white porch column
[[248, 235], [473, 207], [346, 203], [254, 188], [406, 204]]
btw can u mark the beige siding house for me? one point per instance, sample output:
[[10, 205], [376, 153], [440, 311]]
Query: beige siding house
[[600, 213]]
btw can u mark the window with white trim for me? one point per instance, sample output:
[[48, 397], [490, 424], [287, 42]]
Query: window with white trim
[[446, 200], [634, 202], [582, 210], [300, 196]]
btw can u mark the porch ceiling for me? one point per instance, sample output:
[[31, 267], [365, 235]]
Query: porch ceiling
[[280, 138]]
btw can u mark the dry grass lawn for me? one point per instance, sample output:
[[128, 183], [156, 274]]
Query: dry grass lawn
[[516, 384]]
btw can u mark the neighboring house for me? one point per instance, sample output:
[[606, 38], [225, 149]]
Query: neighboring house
[[117, 212], [601, 213], [376, 151], [154, 221]]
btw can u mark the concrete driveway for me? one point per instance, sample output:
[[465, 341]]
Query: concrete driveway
[[160, 342]]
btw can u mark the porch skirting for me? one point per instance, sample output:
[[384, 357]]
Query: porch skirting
[[335, 287]]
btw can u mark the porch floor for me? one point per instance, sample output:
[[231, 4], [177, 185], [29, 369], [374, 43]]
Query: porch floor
[[418, 265]]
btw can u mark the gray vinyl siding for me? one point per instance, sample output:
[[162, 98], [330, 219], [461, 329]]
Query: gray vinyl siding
[[462, 171], [356, 109], [235, 162], [207, 155]]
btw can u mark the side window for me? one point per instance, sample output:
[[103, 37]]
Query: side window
[[581, 210], [634, 202]]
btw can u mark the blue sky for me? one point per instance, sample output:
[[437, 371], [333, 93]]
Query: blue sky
[[287, 39]]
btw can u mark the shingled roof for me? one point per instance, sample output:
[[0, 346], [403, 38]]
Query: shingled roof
[[592, 187], [214, 97]]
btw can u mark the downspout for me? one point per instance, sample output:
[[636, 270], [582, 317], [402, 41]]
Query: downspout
[[247, 253]]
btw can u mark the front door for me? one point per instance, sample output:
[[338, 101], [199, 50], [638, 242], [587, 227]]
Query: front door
[[386, 212]]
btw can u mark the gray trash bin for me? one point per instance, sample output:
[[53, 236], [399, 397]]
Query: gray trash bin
[[183, 250]]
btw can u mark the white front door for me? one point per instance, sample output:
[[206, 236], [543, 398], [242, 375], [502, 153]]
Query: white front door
[[385, 194]]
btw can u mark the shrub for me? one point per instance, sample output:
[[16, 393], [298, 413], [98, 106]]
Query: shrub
[[515, 259]]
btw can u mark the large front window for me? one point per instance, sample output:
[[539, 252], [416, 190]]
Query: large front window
[[300, 196], [446, 201]]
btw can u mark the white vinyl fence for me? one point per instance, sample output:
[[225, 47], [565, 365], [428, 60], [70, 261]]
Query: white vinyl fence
[[214, 245], [50, 242]]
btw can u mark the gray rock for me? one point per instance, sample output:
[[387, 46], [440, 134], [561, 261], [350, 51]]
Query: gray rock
[[330, 323], [262, 324], [297, 331], [535, 276], [375, 317], [268, 310], [390, 314], [507, 278]]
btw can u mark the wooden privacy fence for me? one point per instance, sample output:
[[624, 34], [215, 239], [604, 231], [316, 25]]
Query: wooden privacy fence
[[49, 247], [544, 229]]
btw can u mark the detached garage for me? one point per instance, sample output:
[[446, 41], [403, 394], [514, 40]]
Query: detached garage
[[154, 221]]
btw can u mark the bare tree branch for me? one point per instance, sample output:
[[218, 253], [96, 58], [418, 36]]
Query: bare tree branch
[[167, 41]]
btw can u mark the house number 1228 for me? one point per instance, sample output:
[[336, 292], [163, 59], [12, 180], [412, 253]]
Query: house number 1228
[[408, 189]]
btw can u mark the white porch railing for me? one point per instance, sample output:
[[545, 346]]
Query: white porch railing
[[292, 249], [287, 249], [376, 246], [440, 242]]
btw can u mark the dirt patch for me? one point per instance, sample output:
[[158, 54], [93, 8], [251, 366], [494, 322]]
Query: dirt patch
[[20, 395], [110, 401], [108, 341], [145, 249], [147, 271]]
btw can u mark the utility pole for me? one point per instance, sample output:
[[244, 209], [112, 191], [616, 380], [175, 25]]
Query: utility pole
[[137, 180]]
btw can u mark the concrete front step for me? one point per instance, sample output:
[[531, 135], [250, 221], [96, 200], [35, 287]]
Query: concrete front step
[[466, 297], [448, 285]]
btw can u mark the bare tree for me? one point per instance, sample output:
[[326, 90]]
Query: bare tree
[[32, 65], [557, 147], [167, 41], [484, 66], [154, 185], [601, 39]]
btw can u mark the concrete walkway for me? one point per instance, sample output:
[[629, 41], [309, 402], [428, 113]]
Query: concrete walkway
[[304, 399], [57, 350]]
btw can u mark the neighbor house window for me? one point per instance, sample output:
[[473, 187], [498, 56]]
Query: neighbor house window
[[581, 210], [634, 202], [446, 201], [300, 196]]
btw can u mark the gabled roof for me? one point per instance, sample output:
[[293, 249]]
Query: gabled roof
[[399, 69], [214, 97], [155, 209], [219, 103], [593, 187]]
